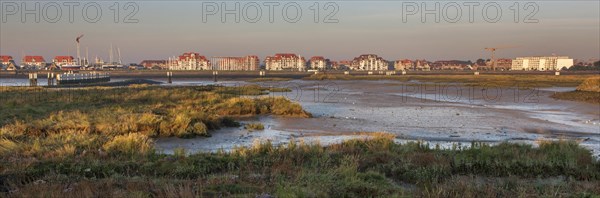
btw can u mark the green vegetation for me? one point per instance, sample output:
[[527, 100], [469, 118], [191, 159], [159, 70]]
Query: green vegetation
[[133, 109], [588, 91], [254, 126], [582, 96], [375, 166], [471, 80], [594, 67], [97, 142]]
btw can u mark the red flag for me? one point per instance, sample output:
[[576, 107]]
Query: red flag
[[79, 37]]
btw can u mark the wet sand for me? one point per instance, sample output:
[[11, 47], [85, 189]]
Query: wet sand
[[443, 114]]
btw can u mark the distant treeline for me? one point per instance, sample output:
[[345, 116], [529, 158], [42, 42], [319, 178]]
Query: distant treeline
[[596, 66]]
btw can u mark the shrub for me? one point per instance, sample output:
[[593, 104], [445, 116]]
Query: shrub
[[179, 152], [281, 106], [254, 126], [229, 122], [238, 106], [199, 128], [131, 144]]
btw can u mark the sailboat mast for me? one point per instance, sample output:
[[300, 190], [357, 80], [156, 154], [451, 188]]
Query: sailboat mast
[[87, 60], [111, 54], [119, 52]]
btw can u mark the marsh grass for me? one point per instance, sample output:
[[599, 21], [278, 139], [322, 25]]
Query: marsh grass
[[534, 81], [97, 142], [590, 84], [588, 91], [374, 166], [129, 144], [269, 80], [65, 123], [254, 127]]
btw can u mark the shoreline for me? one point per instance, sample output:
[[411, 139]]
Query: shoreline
[[285, 74]]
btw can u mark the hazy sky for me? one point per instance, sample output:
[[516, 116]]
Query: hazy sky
[[170, 28]]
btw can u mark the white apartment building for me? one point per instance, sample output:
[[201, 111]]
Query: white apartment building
[[369, 62], [247, 63], [541, 63], [288, 62]]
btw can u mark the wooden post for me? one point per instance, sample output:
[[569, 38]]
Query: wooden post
[[215, 73], [35, 80], [169, 74]]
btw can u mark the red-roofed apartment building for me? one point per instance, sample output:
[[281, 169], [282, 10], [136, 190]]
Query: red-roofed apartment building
[[318, 62], [247, 63], [154, 64], [289, 62], [403, 65], [191, 61], [369, 62], [63, 60], [64, 63], [451, 65], [7, 63], [33, 62]]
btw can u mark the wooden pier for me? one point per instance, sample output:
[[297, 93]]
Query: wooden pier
[[81, 78]]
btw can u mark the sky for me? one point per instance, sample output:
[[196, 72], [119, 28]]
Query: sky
[[341, 30]]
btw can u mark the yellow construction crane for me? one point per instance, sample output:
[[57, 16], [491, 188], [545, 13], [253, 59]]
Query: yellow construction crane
[[493, 50]]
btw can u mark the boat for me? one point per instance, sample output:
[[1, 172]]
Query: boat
[[70, 67], [112, 65]]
